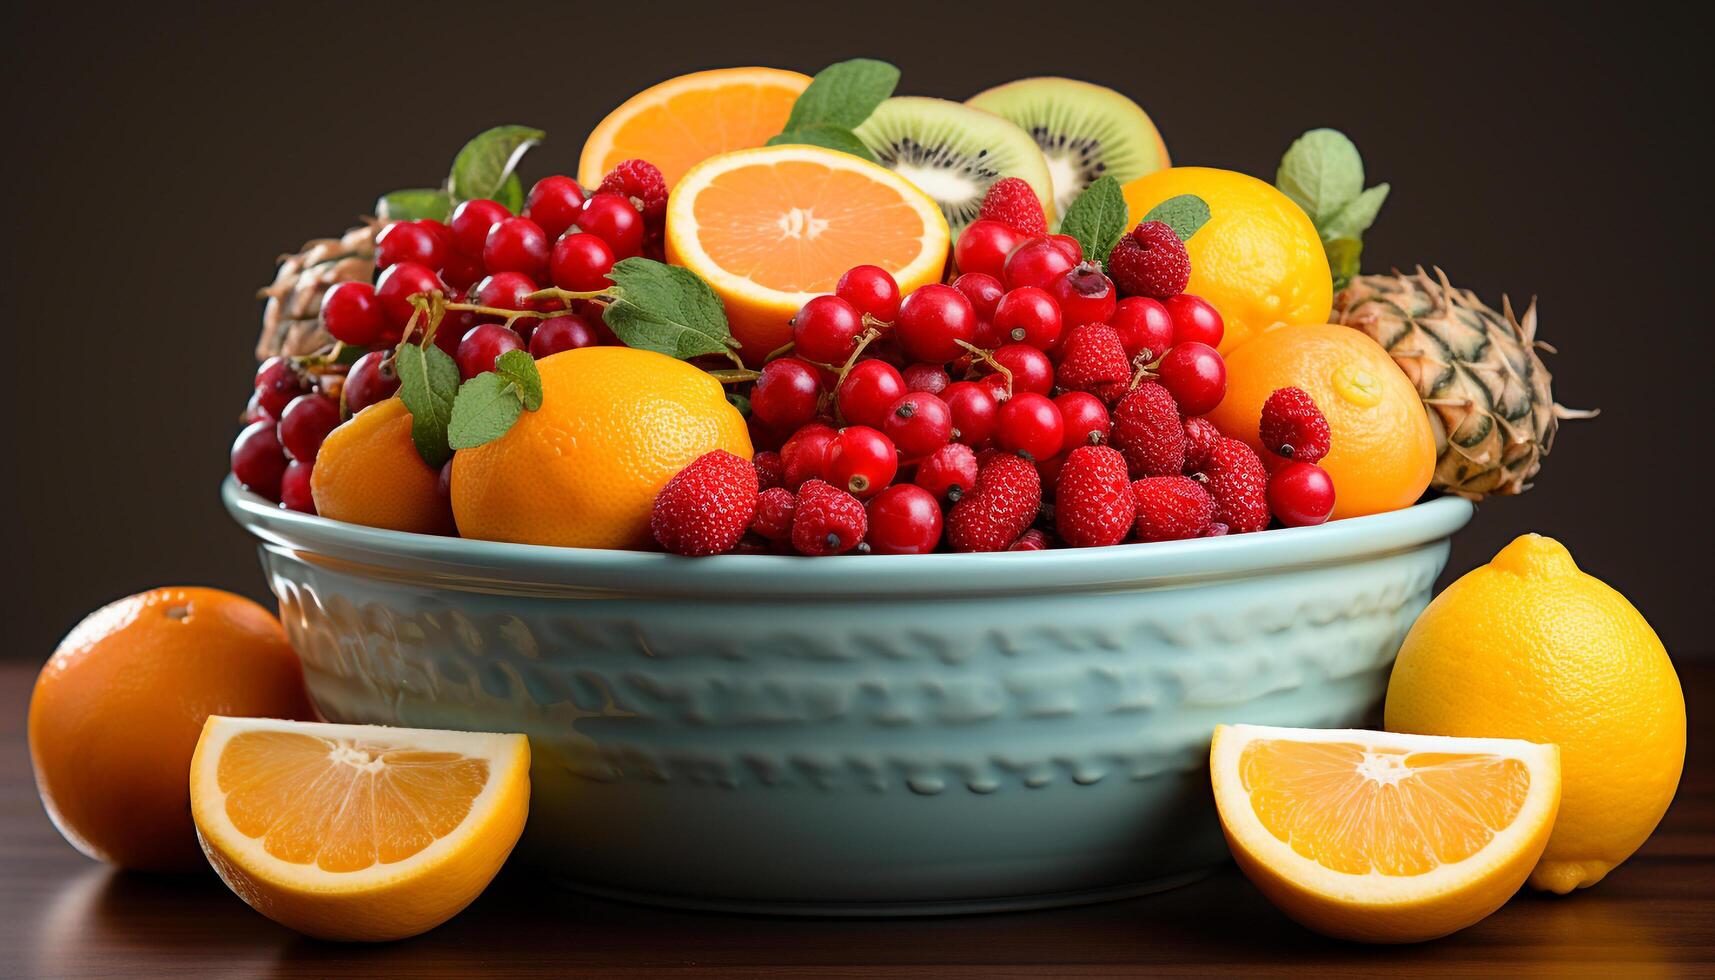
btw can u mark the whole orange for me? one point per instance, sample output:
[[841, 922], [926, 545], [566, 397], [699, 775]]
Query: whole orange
[[369, 472], [582, 471], [1383, 450], [118, 708]]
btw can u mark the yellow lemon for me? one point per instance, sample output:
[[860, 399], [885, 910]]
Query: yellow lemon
[[1258, 259], [1528, 646]]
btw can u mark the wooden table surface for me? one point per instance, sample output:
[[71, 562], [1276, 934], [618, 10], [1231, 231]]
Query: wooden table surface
[[63, 915]]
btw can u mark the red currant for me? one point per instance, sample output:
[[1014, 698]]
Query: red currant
[[1196, 377], [1069, 246], [482, 346], [407, 241], [516, 245], [903, 520], [870, 289], [1195, 319], [988, 335], [1301, 494], [352, 314], [949, 471], [580, 262], [1028, 315], [562, 333], [1049, 471], [277, 382], [918, 423], [1037, 262], [305, 423], [258, 462], [974, 408], [870, 388], [826, 330], [1144, 325], [926, 377], [861, 461], [254, 410], [983, 290], [614, 220], [554, 203], [1086, 418], [1031, 369], [372, 379], [983, 247], [295, 488], [1030, 424], [462, 271], [805, 455], [1085, 295], [787, 394], [471, 221], [394, 291], [932, 321]]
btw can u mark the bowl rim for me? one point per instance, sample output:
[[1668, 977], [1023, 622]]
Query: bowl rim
[[466, 562]]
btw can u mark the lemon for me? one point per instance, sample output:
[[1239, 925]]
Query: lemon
[[1530, 647]]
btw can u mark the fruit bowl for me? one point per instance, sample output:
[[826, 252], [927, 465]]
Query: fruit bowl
[[867, 735]]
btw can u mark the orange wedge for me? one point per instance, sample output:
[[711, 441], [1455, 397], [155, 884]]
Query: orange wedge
[[356, 832], [683, 121], [1381, 837], [770, 228]]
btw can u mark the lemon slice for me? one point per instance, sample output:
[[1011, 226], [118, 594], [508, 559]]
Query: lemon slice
[[1381, 837], [356, 832]]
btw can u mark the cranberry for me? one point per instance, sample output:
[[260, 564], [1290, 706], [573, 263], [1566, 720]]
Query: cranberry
[[870, 388], [870, 289], [580, 262], [305, 423], [504, 291], [482, 346], [903, 520], [1301, 494], [861, 461], [295, 488], [983, 290], [1144, 325], [926, 377], [826, 330], [949, 471], [988, 335], [255, 410], [932, 321], [787, 394], [805, 455], [1195, 375], [258, 461], [352, 314], [372, 379], [394, 291], [554, 203], [1068, 245], [983, 247], [407, 241], [614, 220], [1029, 315], [918, 423], [562, 333], [1085, 295], [1195, 319], [1030, 424], [277, 382], [1031, 369], [1087, 421], [516, 245], [471, 221], [1037, 262], [462, 271]]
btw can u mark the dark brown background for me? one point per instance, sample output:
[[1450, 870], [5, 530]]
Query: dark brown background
[[159, 161]]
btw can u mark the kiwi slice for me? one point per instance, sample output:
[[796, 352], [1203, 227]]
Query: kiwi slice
[[1085, 131], [953, 152]]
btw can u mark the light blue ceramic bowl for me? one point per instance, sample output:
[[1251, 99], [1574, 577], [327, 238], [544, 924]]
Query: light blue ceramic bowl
[[868, 735]]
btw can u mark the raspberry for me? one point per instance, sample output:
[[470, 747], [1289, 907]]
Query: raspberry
[[998, 509], [706, 507], [1011, 202], [1238, 482], [1200, 436], [775, 508], [643, 183], [1293, 427], [829, 521], [1151, 261], [770, 472], [1147, 429], [1093, 505], [1171, 508], [1031, 540], [948, 472], [1093, 360]]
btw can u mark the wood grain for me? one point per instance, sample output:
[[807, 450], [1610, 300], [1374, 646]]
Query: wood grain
[[63, 915]]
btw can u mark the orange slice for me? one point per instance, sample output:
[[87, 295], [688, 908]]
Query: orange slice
[[683, 121], [1381, 837], [770, 228], [356, 832]]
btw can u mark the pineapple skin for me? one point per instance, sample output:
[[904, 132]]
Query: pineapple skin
[[291, 318]]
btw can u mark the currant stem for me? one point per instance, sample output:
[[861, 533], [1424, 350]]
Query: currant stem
[[734, 376], [988, 358]]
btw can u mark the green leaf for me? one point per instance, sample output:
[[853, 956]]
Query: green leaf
[[1097, 218], [1322, 172], [482, 167], [739, 402], [428, 381], [832, 137], [485, 409], [413, 204], [1356, 217], [1184, 214], [667, 309], [518, 368], [843, 95], [511, 194], [1343, 255]]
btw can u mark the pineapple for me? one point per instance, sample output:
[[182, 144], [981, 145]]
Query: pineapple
[[1477, 371], [291, 320]]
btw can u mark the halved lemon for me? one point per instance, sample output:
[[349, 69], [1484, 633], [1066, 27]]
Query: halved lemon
[[770, 228], [357, 832], [1381, 837]]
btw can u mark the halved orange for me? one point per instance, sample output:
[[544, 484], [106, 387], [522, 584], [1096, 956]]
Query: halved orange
[[685, 120], [1381, 837], [770, 228], [357, 832]]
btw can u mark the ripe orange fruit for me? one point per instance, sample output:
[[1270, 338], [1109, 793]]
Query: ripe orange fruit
[[683, 121], [772, 228], [368, 472], [1383, 450], [582, 471], [117, 710]]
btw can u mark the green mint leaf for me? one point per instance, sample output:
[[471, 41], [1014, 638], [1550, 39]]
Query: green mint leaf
[[1097, 218], [667, 309], [1343, 255], [843, 95], [1357, 216], [428, 381], [739, 402], [511, 194], [483, 166], [413, 204], [1322, 172], [832, 137], [518, 368], [485, 409], [1184, 214]]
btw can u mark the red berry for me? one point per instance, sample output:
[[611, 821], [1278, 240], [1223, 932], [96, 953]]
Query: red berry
[[394, 291], [482, 346], [372, 379], [580, 262], [254, 410], [1086, 418], [1093, 360], [805, 455], [1293, 427], [983, 247], [641, 182], [829, 521], [869, 390], [470, 223], [295, 488], [870, 289], [439, 230], [1037, 262], [918, 423], [277, 382], [903, 520], [1145, 327], [974, 409], [1146, 428], [1171, 508], [352, 314], [769, 471], [504, 290], [1238, 482], [1301, 494], [775, 508], [1084, 295], [926, 377], [948, 472], [562, 333], [461, 271], [1196, 375], [1093, 503], [258, 461], [983, 290], [1028, 315], [305, 423], [614, 220], [1031, 540], [407, 241], [516, 245], [1031, 369], [861, 461], [554, 203], [932, 321], [787, 394], [1002, 504], [1151, 261], [826, 330], [1013, 202], [707, 506], [1068, 245], [1030, 424], [1049, 470], [1195, 319], [1200, 436]]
